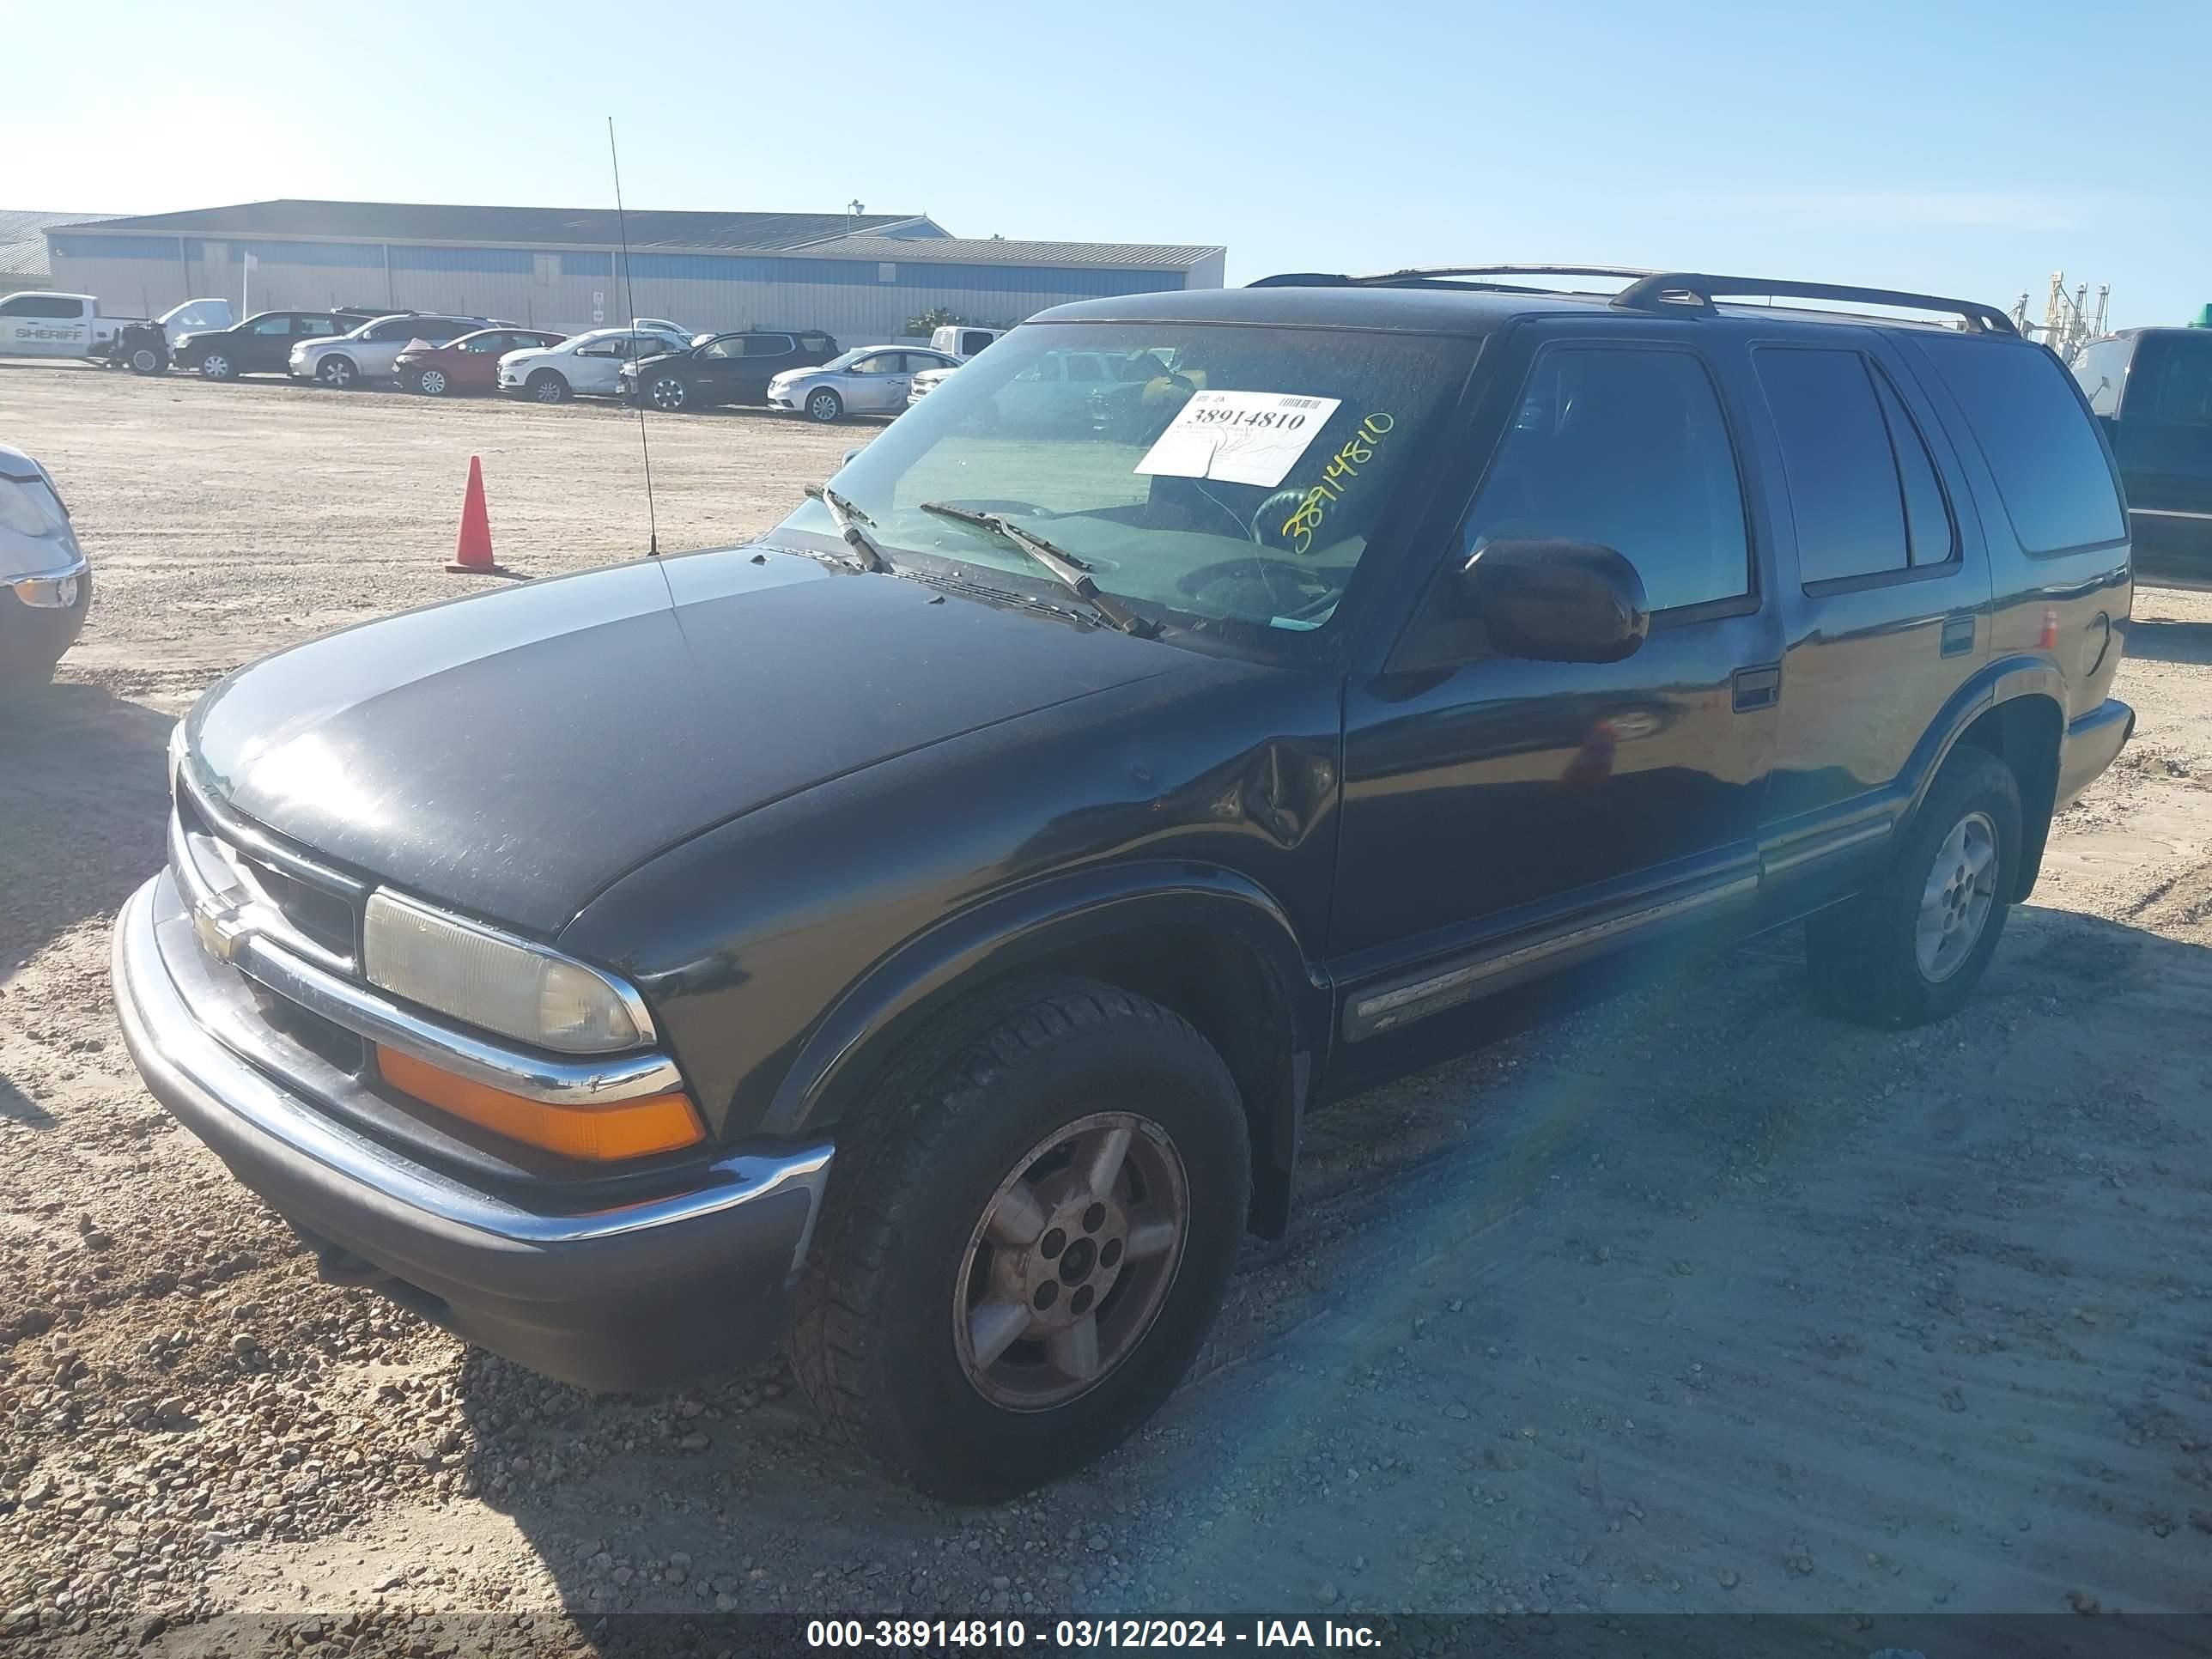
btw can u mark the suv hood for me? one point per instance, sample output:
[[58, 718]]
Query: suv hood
[[511, 755]]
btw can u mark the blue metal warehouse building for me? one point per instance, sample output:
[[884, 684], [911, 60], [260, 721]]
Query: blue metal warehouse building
[[858, 275]]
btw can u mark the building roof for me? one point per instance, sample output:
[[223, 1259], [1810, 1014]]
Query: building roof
[[23, 241], [413, 221], [997, 251]]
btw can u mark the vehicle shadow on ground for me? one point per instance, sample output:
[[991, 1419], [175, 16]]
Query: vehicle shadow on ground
[[2170, 641], [1511, 1198], [83, 811]]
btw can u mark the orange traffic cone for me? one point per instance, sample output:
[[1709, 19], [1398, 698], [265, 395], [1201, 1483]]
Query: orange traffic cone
[[472, 553]]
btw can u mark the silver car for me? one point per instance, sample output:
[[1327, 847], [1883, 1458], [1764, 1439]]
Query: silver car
[[866, 380], [46, 584]]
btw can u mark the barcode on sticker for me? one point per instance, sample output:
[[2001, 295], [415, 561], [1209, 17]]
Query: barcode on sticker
[[1301, 402]]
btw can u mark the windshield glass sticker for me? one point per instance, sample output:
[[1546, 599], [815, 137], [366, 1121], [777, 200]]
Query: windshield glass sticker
[[1299, 529], [1238, 437]]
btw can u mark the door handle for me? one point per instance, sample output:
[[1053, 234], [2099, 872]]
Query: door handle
[[1756, 688]]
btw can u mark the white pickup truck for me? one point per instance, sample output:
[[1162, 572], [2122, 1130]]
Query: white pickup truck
[[47, 325]]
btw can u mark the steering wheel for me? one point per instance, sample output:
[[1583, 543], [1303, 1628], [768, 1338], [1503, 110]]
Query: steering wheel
[[1310, 588]]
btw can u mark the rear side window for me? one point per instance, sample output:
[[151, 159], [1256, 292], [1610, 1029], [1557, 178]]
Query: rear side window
[[41, 305], [2041, 444], [1864, 491], [1928, 527], [1843, 491]]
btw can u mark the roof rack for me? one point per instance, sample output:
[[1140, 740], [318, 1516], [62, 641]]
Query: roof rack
[[1692, 290], [1439, 274], [1656, 290]]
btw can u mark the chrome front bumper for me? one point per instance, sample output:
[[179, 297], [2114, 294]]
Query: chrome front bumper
[[611, 1297]]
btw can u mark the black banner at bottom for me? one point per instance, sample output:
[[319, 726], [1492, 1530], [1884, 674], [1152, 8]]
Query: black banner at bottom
[[741, 1635]]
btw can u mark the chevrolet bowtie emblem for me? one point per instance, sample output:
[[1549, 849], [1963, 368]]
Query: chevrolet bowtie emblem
[[221, 927]]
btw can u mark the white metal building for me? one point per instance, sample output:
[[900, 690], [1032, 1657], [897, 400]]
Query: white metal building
[[859, 276]]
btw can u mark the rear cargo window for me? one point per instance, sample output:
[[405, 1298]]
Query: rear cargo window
[[2041, 444]]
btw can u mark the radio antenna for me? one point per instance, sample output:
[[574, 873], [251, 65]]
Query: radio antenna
[[629, 299]]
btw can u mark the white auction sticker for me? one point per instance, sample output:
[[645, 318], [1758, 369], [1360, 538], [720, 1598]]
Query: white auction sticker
[[1239, 437]]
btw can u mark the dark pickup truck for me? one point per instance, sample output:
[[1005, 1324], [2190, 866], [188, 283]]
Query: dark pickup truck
[[922, 933], [2152, 389]]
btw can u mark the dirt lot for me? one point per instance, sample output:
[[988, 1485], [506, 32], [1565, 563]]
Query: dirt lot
[[1698, 1301]]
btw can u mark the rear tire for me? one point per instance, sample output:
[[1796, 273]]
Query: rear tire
[[940, 1228], [548, 386], [1913, 947]]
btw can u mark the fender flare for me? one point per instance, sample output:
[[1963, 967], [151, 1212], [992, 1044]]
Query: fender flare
[[891, 1003], [2002, 680]]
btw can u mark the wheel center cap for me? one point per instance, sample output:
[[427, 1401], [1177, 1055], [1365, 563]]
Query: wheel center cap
[[1077, 1261]]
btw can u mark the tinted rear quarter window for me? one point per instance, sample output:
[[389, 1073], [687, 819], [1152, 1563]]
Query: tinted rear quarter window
[[2041, 445]]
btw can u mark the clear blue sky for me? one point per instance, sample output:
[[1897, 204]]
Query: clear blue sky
[[1970, 148]]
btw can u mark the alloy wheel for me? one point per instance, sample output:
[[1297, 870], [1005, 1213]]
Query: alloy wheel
[[215, 366], [825, 406], [549, 390], [1955, 903], [1070, 1261], [433, 382], [668, 392]]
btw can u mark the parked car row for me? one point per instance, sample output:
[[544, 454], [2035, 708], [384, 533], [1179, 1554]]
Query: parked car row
[[653, 361]]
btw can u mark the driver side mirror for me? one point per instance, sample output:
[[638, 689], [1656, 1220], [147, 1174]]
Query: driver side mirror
[[1558, 601]]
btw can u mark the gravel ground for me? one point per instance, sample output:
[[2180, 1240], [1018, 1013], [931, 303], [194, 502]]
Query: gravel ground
[[1697, 1301]]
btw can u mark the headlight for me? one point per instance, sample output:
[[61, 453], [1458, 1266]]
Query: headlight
[[522, 991], [29, 508]]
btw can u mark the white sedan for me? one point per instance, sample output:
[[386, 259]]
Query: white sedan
[[585, 365], [866, 380]]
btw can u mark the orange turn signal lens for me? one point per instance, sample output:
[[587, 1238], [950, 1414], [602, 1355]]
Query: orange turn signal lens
[[624, 1128]]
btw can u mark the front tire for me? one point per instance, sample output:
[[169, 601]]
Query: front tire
[[432, 382], [1024, 1245], [1913, 949], [669, 393], [338, 373], [548, 386], [145, 360], [215, 366], [825, 406]]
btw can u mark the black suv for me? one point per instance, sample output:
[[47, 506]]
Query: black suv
[[925, 930], [2152, 388], [262, 343], [729, 368]]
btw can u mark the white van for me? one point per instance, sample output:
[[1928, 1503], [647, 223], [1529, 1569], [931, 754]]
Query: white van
[[959, 340]]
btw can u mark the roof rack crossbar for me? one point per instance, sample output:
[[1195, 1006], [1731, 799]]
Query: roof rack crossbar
[[1440, 273], [1659, 291]]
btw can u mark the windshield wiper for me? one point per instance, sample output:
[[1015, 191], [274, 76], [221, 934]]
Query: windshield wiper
[[1070, 572], [849, 519]]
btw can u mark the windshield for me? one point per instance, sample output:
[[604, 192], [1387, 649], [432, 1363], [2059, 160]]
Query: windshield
[[197, 314], [1211, 474]]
